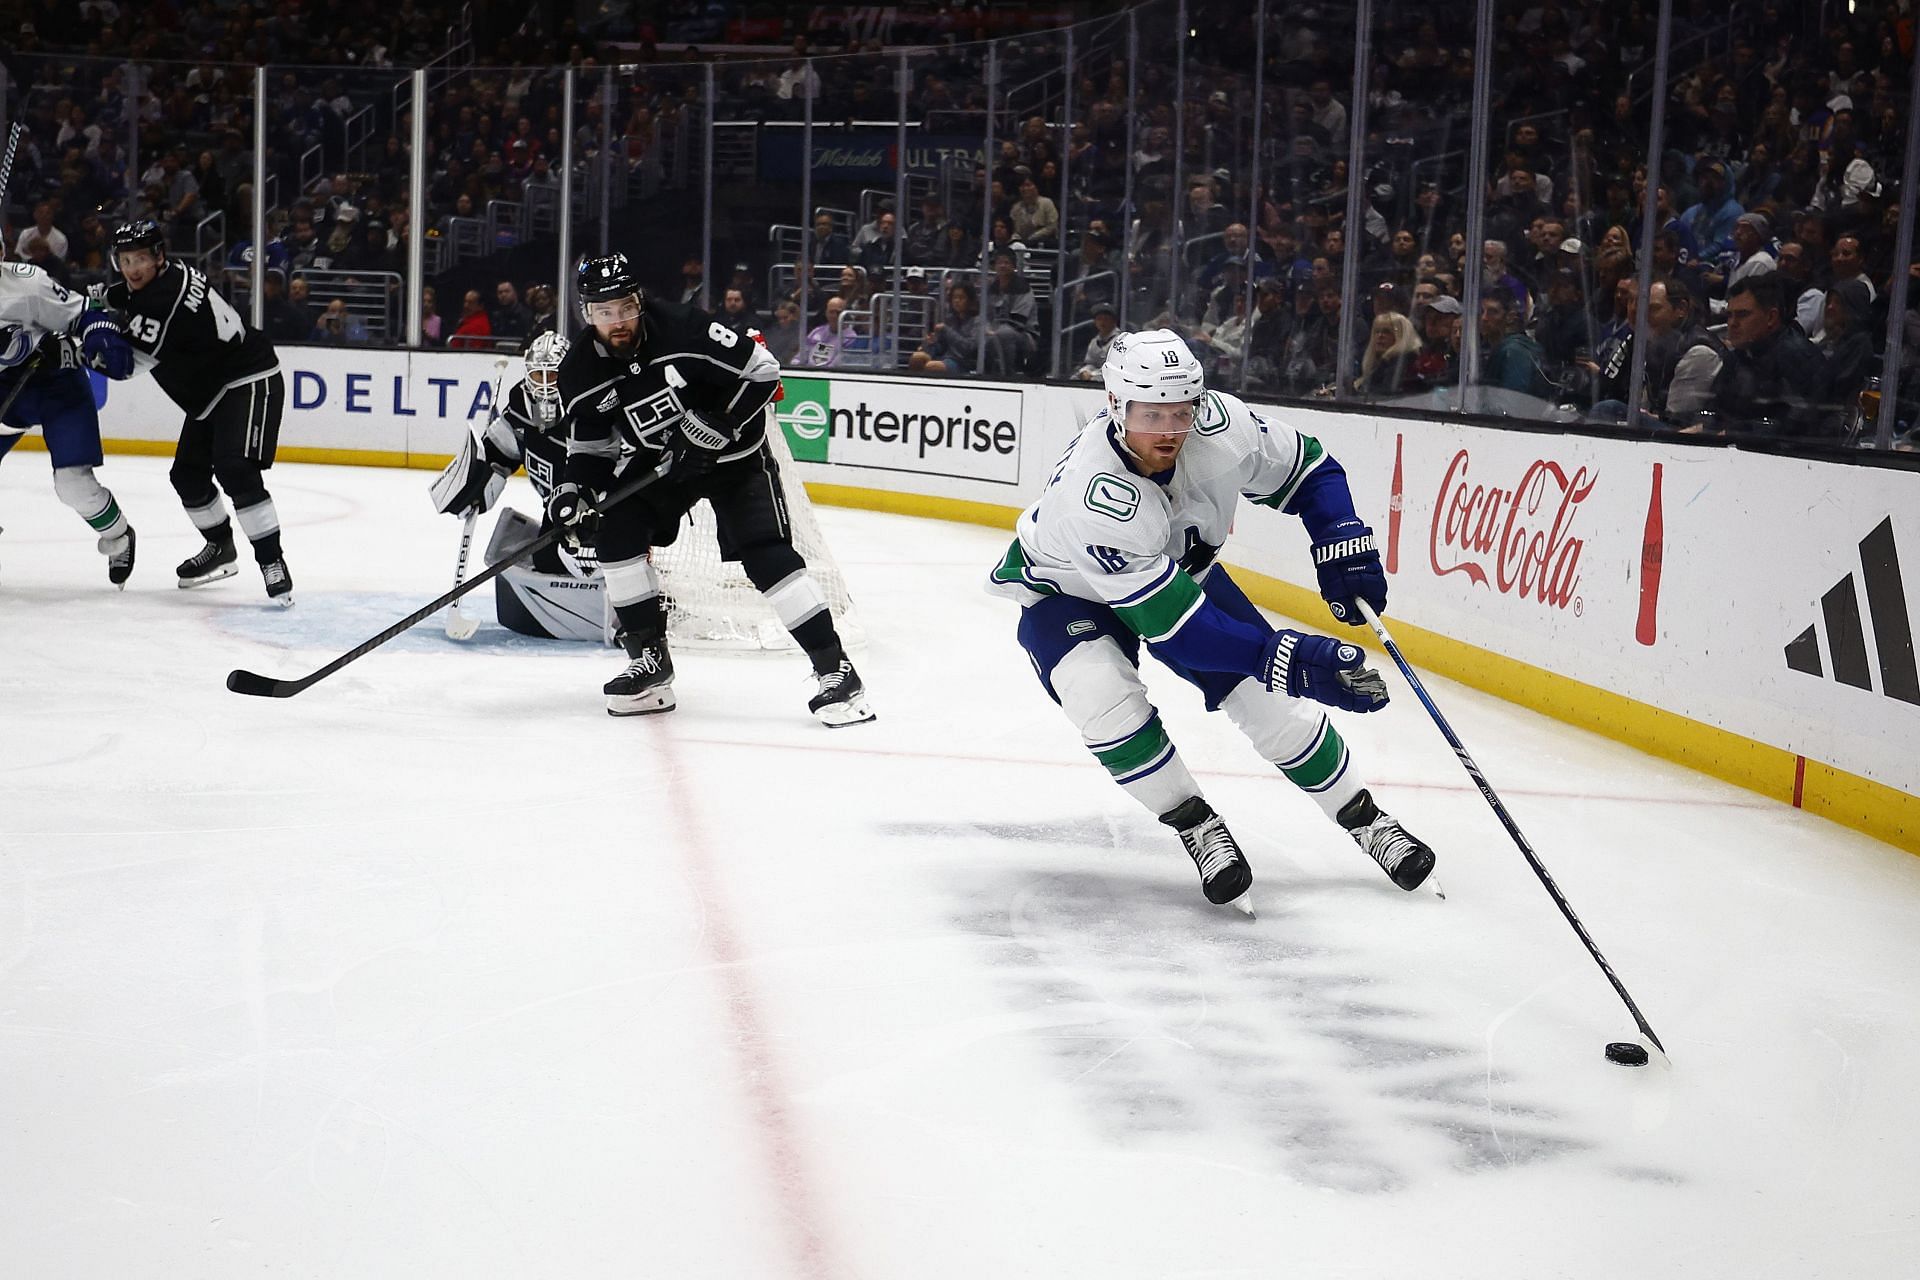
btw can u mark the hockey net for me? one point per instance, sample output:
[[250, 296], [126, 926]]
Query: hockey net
[[711, 603]]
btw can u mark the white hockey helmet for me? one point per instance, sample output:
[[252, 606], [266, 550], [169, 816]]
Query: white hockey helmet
[[543, 365], [1154, 365]]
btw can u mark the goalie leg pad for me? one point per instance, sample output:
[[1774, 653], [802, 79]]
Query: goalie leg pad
[[551, 606], [1296, 737]]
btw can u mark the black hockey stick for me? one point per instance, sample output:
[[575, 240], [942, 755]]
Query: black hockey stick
[[24, 371], [1506, 820], [16, 132], [259, 686]]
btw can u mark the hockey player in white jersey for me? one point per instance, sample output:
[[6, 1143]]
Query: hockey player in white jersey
[[1119, 549], [49, 338]]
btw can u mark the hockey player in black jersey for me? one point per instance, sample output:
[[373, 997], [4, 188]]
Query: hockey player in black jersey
[[654, 379], [225, 375], [558, 594]]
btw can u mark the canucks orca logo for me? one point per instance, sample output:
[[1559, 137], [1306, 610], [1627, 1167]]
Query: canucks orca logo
[[16, 344]]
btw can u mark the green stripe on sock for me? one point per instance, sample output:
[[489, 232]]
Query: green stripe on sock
[[1322, 764], [1160, 614], [104, 521], [1146, 743]]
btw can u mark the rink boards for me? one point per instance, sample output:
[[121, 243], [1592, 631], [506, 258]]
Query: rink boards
[[1747, 615]]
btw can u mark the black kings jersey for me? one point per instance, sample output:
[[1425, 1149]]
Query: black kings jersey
[[194, 341], [528, 430], [618, 405]]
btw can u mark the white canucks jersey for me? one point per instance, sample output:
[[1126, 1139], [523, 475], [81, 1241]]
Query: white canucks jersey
[[1104, 532], [32, 305]]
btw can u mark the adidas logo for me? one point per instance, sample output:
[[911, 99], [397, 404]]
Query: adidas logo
[[1846, 639]]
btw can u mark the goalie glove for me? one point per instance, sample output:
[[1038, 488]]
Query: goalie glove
[[1326, 670], [469, 482]]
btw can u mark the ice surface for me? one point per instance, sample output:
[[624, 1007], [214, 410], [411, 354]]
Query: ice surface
[[436, 970]]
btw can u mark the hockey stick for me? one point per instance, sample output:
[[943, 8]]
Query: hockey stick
[[25, 370], [459, 625], [259, 686], [16, 132], [1506, 820]]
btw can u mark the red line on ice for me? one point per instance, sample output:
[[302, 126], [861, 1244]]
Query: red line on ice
[[760, 1076]]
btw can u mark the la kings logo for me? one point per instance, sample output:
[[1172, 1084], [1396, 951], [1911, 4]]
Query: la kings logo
[[647, 419]]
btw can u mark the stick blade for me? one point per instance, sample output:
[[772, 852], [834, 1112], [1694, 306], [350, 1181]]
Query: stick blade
[[259, 686]]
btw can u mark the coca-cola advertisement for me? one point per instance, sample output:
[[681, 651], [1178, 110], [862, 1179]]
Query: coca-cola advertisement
[[1516, 537]]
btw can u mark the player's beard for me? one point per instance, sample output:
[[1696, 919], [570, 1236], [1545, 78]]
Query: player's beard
[[623, 338]]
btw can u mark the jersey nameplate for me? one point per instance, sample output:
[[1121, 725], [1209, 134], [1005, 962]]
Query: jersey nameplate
[[1109, 495]]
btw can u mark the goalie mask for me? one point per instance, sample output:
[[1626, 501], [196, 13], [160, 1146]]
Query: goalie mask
[[543, 367], [1155, 366]]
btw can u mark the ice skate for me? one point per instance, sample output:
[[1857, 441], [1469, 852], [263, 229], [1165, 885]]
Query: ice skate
[[1406, 860], [842, 699], [1225, 876], [119, 554], [646, 687], [210, 563], [279, 583]]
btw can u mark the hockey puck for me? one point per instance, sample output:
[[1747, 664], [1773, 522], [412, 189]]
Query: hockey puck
[[1627, 1054]]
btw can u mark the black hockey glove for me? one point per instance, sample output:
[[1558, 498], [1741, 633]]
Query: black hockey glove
[[1326, 670], [1349, 570], [694, 446]]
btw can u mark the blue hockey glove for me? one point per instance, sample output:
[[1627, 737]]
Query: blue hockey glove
[[1321, 668], [104, 347], [1349, 569]]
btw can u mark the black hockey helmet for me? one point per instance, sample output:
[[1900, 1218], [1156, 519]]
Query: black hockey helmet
[[141, 233], [606, 277]]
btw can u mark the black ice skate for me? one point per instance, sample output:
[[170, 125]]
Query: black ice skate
[[1224, 874], [646, 687], [210, 563], [119, 553], [842, 699], [1406, 860], [279, 583]]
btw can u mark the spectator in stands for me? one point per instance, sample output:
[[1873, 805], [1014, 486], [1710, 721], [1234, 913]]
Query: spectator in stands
[[1684, 358], [913, 282], [828, 246], [509, 317], [89, 257], [339, 327], [1013, 315], [870, 232], [432, 324], [1036, 220], [1772, 380], [1204, 216], [1849, 263], [213, 187], [827, 342], [952, 345], [43, 244], [854, 289], [1106, 323], [1267, 334], [1711, 219], [734, 313], [1493, 262], [1313, 349], [1807, 303], [300, 318], [876, 254], [1848, 344], [544, 306], [1565, 327], [1752, 238], [1509, 357], [1386, 367], [742, 280], [783, 336], [475, 331], [693, 283], [283, 324], [958, 250], [1436, 364], [926, 237]]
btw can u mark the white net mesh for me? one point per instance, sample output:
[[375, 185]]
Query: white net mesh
[[711, 603]]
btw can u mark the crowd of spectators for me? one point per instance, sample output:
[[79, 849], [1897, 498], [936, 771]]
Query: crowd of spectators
[[1772, 259]]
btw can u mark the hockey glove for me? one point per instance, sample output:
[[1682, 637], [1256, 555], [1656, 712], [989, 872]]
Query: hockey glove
[[694, 446], [568, 505], [1349, 569], [469, 482], [1326, 670], [104, 347]]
